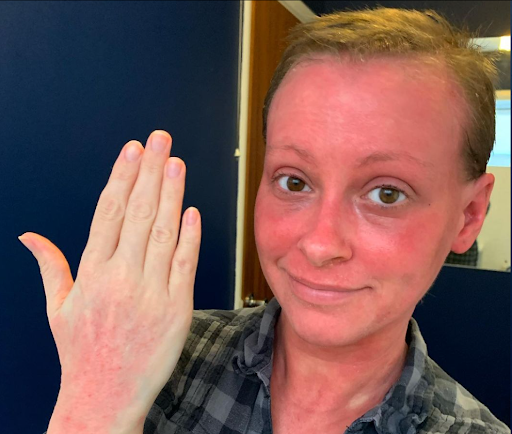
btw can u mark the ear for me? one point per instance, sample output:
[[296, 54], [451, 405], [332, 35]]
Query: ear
[[477, 199]]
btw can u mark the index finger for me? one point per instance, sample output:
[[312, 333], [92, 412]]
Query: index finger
[[109, 214]]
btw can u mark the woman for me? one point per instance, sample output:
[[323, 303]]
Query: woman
[[378, 126]]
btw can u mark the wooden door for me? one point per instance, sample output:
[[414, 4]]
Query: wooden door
[[270, 25]]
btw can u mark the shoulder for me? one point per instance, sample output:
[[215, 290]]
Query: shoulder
[[219, 330], [455, 410], [215, 337], [232, 320]]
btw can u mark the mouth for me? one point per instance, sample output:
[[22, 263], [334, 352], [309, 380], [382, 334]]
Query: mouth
[[321, 293]]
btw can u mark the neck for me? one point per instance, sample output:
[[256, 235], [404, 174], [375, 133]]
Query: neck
[[355, 378]]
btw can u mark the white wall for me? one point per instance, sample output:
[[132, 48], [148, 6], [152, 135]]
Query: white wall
[[494, 239]]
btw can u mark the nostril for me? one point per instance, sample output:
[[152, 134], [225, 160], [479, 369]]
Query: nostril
[[321, 254]]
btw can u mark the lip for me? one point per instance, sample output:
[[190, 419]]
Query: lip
[[321, 287], [323, 294]]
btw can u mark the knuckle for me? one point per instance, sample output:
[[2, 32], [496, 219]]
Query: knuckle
[[121, 275], [44, 268], [109, 208], [87, 270], [161, 235], [152, 167], [139, 211], [124, 174], [90, 253], [183, 266]]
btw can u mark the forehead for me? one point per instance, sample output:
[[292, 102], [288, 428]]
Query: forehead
[[377, 104], [342, 78]]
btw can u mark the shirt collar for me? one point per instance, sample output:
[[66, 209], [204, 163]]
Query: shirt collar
[[258, 339], [409, 401], [405, 406]]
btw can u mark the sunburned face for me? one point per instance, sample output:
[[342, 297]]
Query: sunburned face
[[362, 196]]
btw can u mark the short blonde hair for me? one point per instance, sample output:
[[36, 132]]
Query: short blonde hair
[[386, 31]]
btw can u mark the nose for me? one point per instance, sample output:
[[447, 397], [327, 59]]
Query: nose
[[326, 241]]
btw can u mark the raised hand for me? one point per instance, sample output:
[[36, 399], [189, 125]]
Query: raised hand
[[121, 326]]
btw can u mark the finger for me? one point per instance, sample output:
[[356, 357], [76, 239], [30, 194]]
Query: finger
[[165, 229], [143, 202], [54, 268], [108, 217], [184, 262]]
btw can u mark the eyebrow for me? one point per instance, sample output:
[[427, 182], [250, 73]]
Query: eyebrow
[[379, 157], [301, 152], [375, 157]]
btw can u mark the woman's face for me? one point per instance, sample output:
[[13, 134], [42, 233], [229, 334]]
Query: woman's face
[[361, 196]]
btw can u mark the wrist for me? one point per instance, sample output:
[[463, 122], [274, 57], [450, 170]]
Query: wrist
[[87, 415]]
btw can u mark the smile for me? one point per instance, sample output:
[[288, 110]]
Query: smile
[[322, 294]]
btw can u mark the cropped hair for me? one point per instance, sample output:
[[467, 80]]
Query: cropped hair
[[424, 35]]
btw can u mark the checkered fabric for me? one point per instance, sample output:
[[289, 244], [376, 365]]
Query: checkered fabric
[[221, 385], [469, 258]]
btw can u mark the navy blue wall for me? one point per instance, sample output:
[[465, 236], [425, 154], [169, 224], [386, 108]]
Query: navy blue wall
[[77, 81]]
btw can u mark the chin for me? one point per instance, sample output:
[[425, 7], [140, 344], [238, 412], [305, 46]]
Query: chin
[[359, 314], [325, 326]]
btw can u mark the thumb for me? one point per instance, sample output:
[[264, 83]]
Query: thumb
[[54, 268]]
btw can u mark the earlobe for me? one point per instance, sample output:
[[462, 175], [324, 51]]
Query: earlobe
[[479, 194]]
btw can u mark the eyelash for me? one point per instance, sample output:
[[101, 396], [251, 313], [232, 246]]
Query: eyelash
[[390, 187], [279, 175]]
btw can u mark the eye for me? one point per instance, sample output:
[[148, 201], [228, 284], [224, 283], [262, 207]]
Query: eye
[[292, 183], [387, 195]]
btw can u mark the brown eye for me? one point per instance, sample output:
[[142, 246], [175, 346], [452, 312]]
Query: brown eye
[[293, 184], [387, 195]]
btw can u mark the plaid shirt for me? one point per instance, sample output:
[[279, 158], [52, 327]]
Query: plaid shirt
[[221, 385]]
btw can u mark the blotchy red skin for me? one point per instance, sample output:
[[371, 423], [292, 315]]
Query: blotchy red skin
[[342, 114], [114, 354], [344, 128], [120, 327]]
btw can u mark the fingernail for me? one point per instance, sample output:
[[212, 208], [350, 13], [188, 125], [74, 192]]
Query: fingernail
[[132, 152], [24, 241], [159, 141], [173, 169], [191, 217]]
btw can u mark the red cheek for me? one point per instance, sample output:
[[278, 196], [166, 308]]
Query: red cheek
[[401, 251], [392, 249], [277, 227]]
